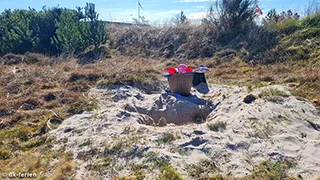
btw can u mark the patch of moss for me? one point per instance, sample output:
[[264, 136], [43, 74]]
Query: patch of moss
[[17, 132], [82, 105]]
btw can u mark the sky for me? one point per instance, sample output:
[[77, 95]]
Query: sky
[[156, 11]]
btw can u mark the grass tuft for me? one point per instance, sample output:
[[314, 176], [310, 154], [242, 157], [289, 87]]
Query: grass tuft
[[273, 95], [82, 105], [169, 173], [167, 138], [201, 169], [36, 142], [217, 126], [273, 169]]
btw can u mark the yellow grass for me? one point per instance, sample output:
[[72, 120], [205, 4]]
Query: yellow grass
[[31, 94]]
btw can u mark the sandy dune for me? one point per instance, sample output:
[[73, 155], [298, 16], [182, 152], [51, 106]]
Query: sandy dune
[[264, 129]]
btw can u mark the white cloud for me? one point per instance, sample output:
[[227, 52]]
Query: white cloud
[[127, 15], [197, 16], [200, 7], [185, 1]]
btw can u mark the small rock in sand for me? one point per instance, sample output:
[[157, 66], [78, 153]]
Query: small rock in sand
[[249, 99]]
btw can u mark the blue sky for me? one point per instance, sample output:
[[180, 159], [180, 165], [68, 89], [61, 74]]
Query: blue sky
[[157, 11]]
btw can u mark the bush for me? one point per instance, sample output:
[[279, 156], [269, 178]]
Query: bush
[[312, 21], [231, 18], [95, 29], [180, 19], [288, 26], [11, 59], [91, 55], [70, 33], [50, 31]]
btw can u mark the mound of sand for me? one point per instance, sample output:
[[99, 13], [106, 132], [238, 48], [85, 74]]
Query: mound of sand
[[269, 126]]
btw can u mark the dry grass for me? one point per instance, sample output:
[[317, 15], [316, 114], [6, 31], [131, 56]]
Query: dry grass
[[31, 88], [33, 94], [273, 95], [186, 40], [29, 94], [303, 78], [273, 170], [64, 171], [37, 156]]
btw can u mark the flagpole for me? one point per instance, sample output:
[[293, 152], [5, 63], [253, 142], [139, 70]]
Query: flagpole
[[138, 12]]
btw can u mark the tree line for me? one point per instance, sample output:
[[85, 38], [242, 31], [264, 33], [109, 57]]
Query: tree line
[[51, 31], [228, 23]]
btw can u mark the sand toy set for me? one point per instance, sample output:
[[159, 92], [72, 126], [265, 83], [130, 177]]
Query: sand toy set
[[182, 78]]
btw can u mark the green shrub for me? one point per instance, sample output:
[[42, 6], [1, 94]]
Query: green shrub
[[70, 34], [231, 16], [50, 31], [95, 30], [312, 21], [288, 26]]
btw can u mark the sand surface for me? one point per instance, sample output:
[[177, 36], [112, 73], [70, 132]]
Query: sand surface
[[261, 130]]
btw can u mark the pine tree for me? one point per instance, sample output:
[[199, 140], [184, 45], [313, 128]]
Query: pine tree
[[180, 18], [97, 33], [70, 33]]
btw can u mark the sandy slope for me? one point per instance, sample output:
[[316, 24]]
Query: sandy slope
[[254, 132]]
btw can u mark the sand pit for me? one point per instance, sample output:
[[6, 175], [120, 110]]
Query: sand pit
[[175, 109], [273, 126]]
